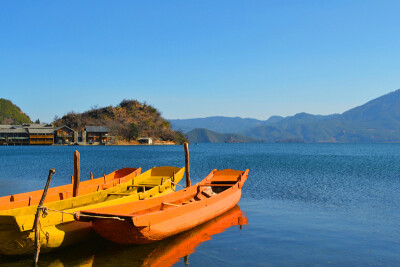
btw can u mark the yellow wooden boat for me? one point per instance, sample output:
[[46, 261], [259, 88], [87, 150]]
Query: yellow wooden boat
[[58, 227]]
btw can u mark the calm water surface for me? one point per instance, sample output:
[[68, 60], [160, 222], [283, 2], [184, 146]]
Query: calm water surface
[[306, 204]]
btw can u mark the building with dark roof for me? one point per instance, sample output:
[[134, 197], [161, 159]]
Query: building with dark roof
[[45, 134], [97, 134], [65, 135], [41, 136], [13, 136], [27, 134]]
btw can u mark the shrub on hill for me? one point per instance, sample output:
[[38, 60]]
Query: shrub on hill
[[11, 114]]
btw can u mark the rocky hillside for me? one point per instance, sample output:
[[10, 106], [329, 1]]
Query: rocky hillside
[[11, 114], [129, 120]]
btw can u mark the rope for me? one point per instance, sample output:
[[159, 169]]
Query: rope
[[45, 212], [169, 180]]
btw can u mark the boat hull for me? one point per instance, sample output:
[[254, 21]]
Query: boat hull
[[59, 230], [158, 218], [51, 237], [123, 232]]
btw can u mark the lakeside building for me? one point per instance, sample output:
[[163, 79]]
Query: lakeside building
[[41, 136], [13, 136], [146, 140], [65, 135], [46, 134], [97, 134], [27, 134]]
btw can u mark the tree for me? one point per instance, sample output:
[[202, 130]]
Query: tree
[[134, 132], [37, 121]]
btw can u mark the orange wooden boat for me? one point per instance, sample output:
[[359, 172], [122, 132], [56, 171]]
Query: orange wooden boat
[[157, 218], [186, 243], [65, 191]]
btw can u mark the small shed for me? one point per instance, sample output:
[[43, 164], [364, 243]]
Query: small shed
[[146, 140]]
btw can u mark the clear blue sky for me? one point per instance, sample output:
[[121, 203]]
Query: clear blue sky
[[198, 58]]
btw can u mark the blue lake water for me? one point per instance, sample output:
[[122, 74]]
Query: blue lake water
[[306, 204]]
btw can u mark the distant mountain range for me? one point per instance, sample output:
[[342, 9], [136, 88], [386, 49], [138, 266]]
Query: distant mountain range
[[201, 135], [376, 121]]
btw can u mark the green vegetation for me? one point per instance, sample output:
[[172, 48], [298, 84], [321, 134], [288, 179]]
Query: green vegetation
[[127, 121], [134, 132], [11, 114]]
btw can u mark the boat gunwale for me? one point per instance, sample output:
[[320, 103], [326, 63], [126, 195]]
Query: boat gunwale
[[18, 221], [53, 191], [141, 220]]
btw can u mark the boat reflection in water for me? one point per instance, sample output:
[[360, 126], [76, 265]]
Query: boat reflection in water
[[169, 251], [185, 244], [163, 253]]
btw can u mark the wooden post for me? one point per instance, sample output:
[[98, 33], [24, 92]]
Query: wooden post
[[72, 179], [77, 173], [37, 216], [91, 175], [30, 200], [186, 260], [187, 165]]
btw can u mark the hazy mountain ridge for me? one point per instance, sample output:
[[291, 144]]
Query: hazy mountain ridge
[[217, 124], [376, 121], [201, 135]]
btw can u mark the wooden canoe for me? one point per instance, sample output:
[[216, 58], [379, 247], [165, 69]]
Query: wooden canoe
[[65, 191], [185, 244], [155, 219], [60, 229]]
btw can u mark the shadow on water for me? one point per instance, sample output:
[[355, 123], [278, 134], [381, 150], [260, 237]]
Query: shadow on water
[[99, 252]]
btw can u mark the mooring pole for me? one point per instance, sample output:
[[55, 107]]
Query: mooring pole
[[77, 173], [187, 165], [36, 223], [91, 175]]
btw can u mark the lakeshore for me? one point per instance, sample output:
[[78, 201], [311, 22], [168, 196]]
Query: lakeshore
[[46, 134]]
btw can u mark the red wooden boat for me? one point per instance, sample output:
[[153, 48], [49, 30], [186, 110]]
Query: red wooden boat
[[154, 219]]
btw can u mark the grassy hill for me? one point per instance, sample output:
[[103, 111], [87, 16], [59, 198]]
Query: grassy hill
[[11, 114], [207, 136], [127, 121]]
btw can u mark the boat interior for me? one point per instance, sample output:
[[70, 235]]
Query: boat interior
[[65, 191], [215, 183]]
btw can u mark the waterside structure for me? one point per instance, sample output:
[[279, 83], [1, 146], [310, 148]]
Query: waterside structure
[[46, 134]]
